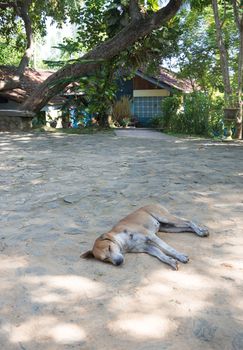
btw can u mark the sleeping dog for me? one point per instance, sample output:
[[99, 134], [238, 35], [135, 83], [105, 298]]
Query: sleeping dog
[[136, 233]]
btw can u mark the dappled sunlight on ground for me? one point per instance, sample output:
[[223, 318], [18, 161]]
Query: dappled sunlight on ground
[[142, 326], [59, 192], [66, 287], [13, 262], [44, 328]]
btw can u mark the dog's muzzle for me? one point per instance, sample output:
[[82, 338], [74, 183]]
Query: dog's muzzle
[[118, 261]]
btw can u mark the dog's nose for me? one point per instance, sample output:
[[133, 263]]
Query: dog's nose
[[119, 261]]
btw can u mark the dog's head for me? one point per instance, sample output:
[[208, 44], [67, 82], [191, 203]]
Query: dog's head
[[105, 249]]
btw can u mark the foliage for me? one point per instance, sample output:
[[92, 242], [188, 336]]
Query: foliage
[[121, 111], [12, 40], [12, 30], [195, 117], [10, 52], [203, 55], [100, 90], [157, 122], [189, 37], [170, 108], [196, 56], [216, 124], [198, 114], [58, 10], [69, 50], [39, 120], [102, 19]]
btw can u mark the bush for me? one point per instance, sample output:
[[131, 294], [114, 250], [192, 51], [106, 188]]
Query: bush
[[197, 115], [216, 124], [157, 122], [170, 110], [167, 119]]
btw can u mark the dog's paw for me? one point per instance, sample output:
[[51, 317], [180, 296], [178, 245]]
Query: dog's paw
[[174, 264], [205, 232], [200, 231], [183, 258]]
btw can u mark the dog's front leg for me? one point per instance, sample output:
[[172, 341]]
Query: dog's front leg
[[167, 249], [154, 251]]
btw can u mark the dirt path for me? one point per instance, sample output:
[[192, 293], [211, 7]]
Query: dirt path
[[58, 192], [143, 134]]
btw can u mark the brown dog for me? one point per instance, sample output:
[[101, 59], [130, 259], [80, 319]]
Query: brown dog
[[136, 233]]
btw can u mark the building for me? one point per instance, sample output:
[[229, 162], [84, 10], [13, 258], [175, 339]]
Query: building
[[147, 92]]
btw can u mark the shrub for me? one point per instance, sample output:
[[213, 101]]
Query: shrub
[[198, 114], [170, 109], [169, 114], [157, 122], [216, 124]]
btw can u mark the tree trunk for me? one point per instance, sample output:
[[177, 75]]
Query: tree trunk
[[222, 52], [139, 27], [239, 88], [239, 23], [21, 9]]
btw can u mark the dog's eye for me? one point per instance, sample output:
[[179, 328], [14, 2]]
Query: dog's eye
[[109, 248]]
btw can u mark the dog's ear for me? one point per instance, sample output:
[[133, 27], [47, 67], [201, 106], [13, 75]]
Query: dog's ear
[[87, 255]]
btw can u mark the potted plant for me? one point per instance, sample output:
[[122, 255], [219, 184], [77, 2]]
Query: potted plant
[[230, 114], [121, 111]]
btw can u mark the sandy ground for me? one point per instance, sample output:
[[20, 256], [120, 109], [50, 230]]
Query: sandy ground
[[59, 192]]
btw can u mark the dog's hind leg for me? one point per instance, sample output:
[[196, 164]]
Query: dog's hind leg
[[172, 223], [154, 251], [167, 249], [182, 225]]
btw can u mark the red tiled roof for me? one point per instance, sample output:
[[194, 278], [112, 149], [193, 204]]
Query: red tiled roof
[[29, 82], [171, 79]]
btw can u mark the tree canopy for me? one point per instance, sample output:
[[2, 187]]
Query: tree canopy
[[204, 41]]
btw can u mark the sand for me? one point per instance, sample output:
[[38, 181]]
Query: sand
[[59, 192]]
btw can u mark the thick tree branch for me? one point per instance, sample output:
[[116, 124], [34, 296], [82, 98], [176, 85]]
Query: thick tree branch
[[135, 30], [166, 13]]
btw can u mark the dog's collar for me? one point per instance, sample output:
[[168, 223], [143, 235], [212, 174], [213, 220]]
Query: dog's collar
[[111, 240], [103, 238], [107, 239]]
